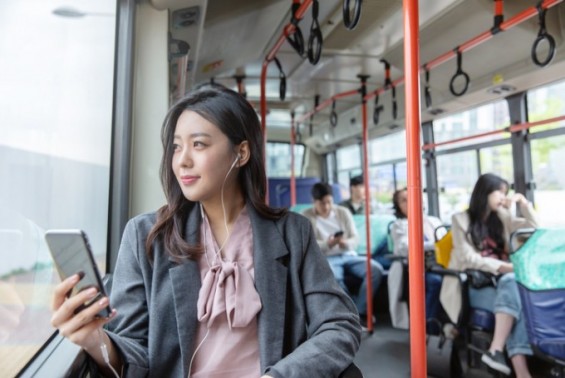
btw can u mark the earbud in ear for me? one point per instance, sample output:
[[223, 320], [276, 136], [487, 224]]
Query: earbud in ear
[[238, 156]]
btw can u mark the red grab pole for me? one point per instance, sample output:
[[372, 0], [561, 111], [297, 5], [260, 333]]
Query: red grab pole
[[413, 160]]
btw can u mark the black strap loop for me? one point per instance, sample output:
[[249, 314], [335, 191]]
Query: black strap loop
[[543, 35], [377, 111], [316, 40], [458, 73], [282, 77], [296, 40], [427, 92], [347, 20], [394, 107], [333, 116]]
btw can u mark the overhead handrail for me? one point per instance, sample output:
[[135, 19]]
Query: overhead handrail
[[508, 129], [543, 35], [459, 73], [470, 44], [477, 40], [498, 16], [316, 40], [282, 77], [349, 21], [327, 103]]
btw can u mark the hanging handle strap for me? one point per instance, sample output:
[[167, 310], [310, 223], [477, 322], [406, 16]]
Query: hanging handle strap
[[333, 116], [543, 35], [282, 77], [351, 22], [458, 73], [316, 40], [427, 92]]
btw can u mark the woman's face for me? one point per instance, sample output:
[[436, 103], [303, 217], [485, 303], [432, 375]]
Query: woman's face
[[202, 158], [403, 202], [496, 199]]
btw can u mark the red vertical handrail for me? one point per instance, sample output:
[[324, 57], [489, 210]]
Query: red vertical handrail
[[288, 29], [418, 360], [367, 209], [292, 177]]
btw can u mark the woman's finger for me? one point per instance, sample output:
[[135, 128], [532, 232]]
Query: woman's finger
[[61, 290]]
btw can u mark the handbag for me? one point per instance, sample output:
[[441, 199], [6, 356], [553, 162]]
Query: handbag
[[479, 279], [442, 357]]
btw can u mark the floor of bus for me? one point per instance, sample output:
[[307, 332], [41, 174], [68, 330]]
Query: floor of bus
[[386, 353]]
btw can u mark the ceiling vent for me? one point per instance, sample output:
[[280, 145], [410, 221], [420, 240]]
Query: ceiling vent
[[501, 89]]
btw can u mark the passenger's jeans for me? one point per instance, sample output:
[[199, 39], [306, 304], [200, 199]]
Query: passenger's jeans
[[351, 264], [506, 299], [433, 287]]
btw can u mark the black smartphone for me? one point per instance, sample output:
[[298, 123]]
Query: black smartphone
[[72, 254], [338, 234]]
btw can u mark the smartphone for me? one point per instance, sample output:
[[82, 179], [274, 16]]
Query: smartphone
[[338, 234], [72, 254]]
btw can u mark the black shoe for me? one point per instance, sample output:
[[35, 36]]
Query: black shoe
[[496, 361]]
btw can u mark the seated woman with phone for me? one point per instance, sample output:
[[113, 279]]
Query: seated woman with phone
[[215, 283]]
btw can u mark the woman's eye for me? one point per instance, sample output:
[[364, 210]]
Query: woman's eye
[[176, 147], [198, 143]]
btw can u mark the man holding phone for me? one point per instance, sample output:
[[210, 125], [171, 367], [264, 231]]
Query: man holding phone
[[336, 235]]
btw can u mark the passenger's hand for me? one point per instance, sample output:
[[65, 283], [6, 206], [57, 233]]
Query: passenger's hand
[[506, 268], [81, 328], [333, 240], [515, 198]]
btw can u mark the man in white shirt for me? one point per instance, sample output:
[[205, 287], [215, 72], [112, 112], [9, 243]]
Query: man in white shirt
[[337, 237]]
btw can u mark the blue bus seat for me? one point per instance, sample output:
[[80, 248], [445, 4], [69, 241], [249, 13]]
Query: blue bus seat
[[539, 265], [379, 230]]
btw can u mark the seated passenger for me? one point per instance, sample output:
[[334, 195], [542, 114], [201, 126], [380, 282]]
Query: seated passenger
[[480, 241], [329, 221], [356, 201], [396, 280]]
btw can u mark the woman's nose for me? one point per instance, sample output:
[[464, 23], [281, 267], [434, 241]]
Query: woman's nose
[[185, 158]]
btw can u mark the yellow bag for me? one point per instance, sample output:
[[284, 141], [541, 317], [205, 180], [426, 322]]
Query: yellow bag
[[443, 249]]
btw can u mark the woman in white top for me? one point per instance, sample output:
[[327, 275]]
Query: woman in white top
[[399, 232]]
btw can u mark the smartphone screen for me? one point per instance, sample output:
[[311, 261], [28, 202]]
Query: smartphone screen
[[338, 234], [72, 254]]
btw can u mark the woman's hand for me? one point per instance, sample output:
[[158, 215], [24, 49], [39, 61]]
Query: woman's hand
[[506, 268], [515, 198], [81, 328]]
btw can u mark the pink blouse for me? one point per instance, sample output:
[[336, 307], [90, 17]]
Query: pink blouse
[[228, 304]]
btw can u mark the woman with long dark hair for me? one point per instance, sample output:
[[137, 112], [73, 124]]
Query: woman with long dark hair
[[480, 241], [216, 283]]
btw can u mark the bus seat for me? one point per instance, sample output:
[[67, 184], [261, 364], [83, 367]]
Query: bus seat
[[539, 266], [379, 230]]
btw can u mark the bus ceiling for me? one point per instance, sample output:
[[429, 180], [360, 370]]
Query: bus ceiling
[[229, 41]]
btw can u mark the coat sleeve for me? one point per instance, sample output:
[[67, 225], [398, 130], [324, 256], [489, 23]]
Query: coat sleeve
[[528, 219], [129, 330], [333, 330]]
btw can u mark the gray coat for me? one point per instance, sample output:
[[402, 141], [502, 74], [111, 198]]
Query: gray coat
[[308, 327]]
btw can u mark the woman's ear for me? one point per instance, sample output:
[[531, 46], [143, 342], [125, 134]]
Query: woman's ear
[[244, 153]]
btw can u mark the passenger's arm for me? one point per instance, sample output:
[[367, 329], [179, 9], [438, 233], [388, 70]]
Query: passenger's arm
[[529, 216], [399, 233]]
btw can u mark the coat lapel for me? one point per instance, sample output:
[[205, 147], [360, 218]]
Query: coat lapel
[[185, 281], [269, 250]]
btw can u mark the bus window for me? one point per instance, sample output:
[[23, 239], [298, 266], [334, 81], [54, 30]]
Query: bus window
[[56, 106], [547, 156], [278, 159], [457, 174], [497, 160]]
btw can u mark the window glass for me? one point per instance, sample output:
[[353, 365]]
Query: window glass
[[488, 117], [278, 159], [498, 160], [457, 174], [547, 102], [389, 147], [55, 121], [547, 156], [383, 178], [349, 158]]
